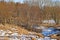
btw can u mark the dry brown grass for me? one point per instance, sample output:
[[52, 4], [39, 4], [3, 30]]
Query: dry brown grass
[[16, 28]]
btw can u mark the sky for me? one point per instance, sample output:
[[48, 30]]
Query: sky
[[55, 0], [18, 1], [21, 1]]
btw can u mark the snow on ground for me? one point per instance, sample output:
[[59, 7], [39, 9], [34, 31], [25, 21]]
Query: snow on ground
[[16, 36], [49, 21], [17, 33]]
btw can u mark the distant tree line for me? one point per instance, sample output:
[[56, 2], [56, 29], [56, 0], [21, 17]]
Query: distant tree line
[[25, 15]]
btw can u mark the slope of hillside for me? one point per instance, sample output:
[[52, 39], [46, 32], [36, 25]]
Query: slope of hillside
[[13, 29]]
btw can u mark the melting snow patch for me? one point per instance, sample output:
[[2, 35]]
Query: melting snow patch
[[2, 33], [49, 21], [15, 34]]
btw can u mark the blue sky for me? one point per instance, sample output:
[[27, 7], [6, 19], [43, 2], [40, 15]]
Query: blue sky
[[16, 1], [19, 1]]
